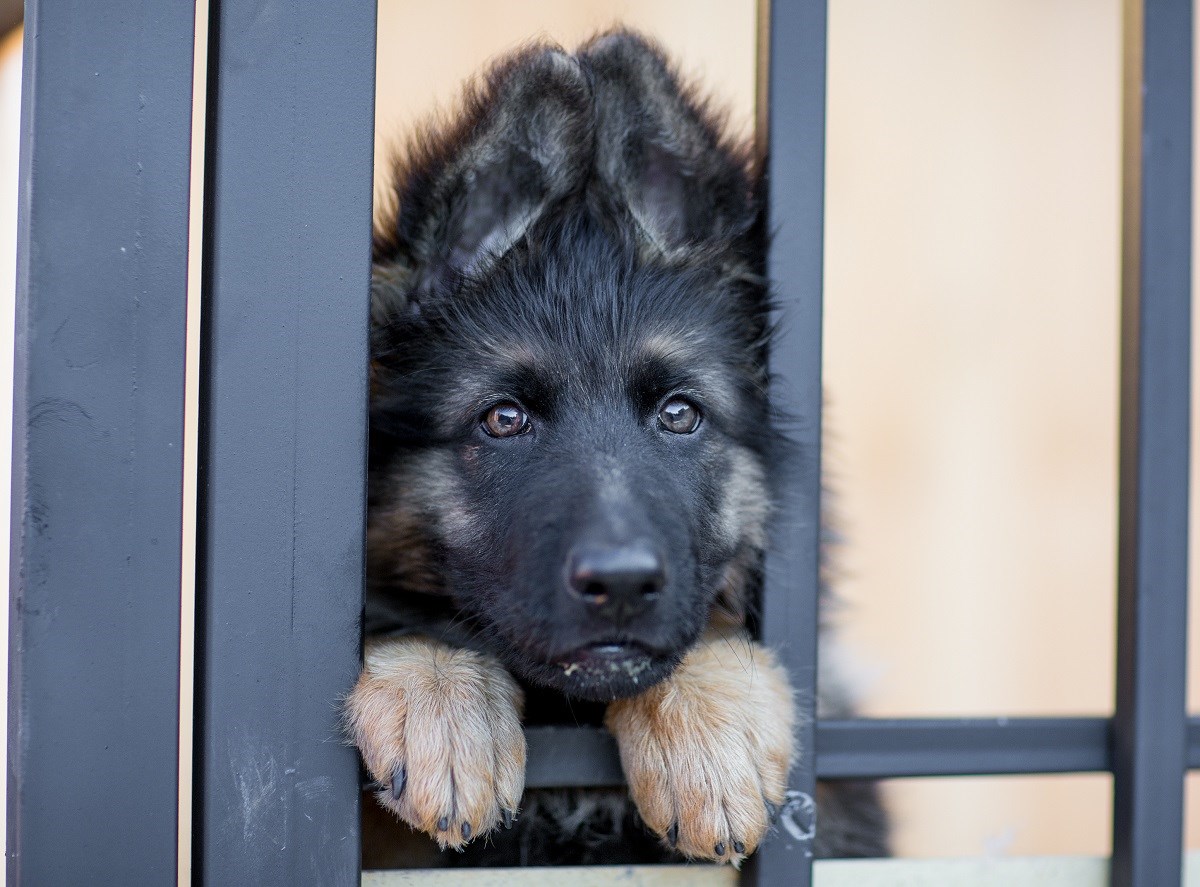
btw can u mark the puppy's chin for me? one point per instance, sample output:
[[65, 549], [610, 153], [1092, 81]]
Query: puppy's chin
[[601, 672]]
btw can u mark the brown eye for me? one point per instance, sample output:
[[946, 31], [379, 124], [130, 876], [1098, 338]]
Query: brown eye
[[506, 420], [679, 416]]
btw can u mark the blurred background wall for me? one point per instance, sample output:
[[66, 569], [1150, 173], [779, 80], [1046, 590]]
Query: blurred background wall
[[971, 342]]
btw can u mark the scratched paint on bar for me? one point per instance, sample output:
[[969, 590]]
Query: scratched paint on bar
[[283, 439]]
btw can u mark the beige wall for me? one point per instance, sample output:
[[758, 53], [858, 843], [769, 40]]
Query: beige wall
[[972, 249], [971, 245]]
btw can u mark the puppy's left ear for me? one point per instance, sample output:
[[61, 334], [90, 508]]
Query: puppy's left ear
[[661, 149]]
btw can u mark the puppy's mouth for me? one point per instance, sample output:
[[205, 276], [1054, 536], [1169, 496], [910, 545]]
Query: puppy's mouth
[[603, 671], [609, 657]]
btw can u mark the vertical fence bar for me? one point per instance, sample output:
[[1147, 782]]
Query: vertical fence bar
[[792, 120], [97, 443], [1149, 731], [283, 438]]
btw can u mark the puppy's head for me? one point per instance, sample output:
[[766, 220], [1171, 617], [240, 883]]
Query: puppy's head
[[569, 417]]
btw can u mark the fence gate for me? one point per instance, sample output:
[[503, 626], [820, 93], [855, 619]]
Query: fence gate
[[96, 584]]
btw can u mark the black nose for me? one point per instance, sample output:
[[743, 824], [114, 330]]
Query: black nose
[[617, 583]]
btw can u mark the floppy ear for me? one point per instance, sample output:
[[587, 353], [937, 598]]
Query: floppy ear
[[661, 150], [466, 192]]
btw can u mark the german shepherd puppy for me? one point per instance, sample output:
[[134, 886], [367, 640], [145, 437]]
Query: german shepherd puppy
[[572, 453]]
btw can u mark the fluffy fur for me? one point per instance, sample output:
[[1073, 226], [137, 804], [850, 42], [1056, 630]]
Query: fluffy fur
[[581, 244], [706, 747], [441, 728]]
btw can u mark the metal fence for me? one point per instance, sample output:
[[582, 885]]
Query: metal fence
[[94, 696]]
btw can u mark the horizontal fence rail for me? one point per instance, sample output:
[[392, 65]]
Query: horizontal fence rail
[[868, 748]]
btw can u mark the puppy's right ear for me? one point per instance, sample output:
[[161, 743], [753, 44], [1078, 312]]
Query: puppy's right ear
[[661, 149], [466, 192]]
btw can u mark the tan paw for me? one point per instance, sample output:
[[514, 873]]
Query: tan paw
[[440, 730], [707, 750]]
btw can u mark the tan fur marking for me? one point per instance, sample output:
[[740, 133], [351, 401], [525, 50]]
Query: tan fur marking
[[425, 500], [691, 351], [744, 510], [440, 494], [705, 748], [452, 719]]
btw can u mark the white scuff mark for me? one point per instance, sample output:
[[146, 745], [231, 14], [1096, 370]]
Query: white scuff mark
[[314, 788], [798, 816], [257, 783]]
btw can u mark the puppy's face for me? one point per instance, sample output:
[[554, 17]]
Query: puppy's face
[[578, 433], [569, 422]]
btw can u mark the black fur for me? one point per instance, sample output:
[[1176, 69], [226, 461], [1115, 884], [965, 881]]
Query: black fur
[[581, 240]]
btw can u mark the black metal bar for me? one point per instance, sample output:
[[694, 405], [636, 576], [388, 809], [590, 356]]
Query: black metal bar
[[866, 748], [1149, 736], [283, 434], [98, 443], [882, 749], [571, 757], [791, 107]]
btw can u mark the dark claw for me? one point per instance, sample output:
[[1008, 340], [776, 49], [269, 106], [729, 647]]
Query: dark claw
[[719, 849], [399, 780], [507, 816], [673, 834], [739, 847], [466, 831], [772, 812], [443, 823], [376, 786]]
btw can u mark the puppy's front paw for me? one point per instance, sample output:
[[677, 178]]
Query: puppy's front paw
[[440, 730], [708, 749]]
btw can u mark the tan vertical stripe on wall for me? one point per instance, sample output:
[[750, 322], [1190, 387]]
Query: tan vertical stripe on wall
[[191, 412]]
